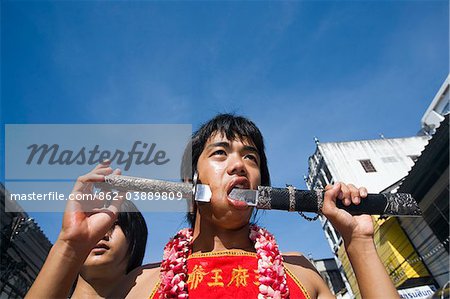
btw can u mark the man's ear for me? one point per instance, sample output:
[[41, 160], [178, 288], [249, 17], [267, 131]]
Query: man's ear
[[192, 206]]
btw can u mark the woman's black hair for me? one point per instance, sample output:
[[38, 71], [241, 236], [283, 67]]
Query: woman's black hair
[[134, 228], [232, 127]]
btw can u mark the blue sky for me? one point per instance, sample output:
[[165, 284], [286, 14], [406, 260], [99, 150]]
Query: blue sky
[[338, 70]]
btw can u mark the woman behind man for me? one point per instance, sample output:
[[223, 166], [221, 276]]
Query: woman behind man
[[119, 251]]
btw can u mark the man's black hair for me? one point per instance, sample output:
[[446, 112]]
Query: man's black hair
[[232, 127], [134, 228]]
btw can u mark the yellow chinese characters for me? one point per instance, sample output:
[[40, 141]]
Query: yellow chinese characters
[[217, 278], [239, 276], [196, 276], [214, 278], [256, 282]]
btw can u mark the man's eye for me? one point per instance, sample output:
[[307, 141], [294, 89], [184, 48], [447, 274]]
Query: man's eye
[[252, 157], [219, 152]]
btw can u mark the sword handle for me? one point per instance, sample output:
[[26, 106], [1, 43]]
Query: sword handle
[[373, 204], [288, 199]]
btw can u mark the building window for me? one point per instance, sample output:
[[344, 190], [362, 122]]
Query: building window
[[336, 280], [367, 165]]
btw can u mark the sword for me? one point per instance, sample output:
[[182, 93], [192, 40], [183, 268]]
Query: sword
[[270, 198]]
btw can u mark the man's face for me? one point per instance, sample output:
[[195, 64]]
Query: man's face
[[224, 165]]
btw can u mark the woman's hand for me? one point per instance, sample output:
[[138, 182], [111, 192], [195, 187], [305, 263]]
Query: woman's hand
[[86, 221]]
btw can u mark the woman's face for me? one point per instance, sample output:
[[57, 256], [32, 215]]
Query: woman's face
[[110, 253], [223, 165]]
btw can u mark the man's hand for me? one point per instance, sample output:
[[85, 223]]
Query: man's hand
[[357, 232], [350, 227]]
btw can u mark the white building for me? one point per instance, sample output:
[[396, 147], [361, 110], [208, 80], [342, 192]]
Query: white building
[[375, 164], [416, 254], [329, 271]]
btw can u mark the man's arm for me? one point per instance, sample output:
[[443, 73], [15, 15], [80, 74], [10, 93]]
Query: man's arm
[[373, 280], [357, 232]]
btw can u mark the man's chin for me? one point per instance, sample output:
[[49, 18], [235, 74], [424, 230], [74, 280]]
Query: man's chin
[[236, 219]]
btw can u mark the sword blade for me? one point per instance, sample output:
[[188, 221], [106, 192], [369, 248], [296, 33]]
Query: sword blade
[[245, 195], [134, 184]]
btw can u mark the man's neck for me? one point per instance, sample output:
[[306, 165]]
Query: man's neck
[[96, 287], [208, 237]]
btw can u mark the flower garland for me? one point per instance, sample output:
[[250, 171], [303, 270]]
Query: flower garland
[[174, 266], [272, 277]]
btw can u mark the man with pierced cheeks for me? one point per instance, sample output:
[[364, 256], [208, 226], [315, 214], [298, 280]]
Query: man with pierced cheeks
[[227, 153]]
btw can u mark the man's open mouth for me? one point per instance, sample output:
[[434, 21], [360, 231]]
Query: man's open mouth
[[239, 183]]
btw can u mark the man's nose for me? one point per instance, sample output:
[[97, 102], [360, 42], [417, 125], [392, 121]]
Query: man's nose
[[236, 165]]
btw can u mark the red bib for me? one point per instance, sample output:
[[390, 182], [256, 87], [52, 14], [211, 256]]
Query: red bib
[[229, 274]]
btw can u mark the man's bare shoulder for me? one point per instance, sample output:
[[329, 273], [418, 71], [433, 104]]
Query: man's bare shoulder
[[307, 274], [140, 282], [296, 260]]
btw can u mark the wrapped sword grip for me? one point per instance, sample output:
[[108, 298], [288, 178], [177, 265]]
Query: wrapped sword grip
[[310, 201]]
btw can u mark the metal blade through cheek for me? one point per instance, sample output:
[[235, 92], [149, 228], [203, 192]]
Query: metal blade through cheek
[[203, 193], [249, 196]]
